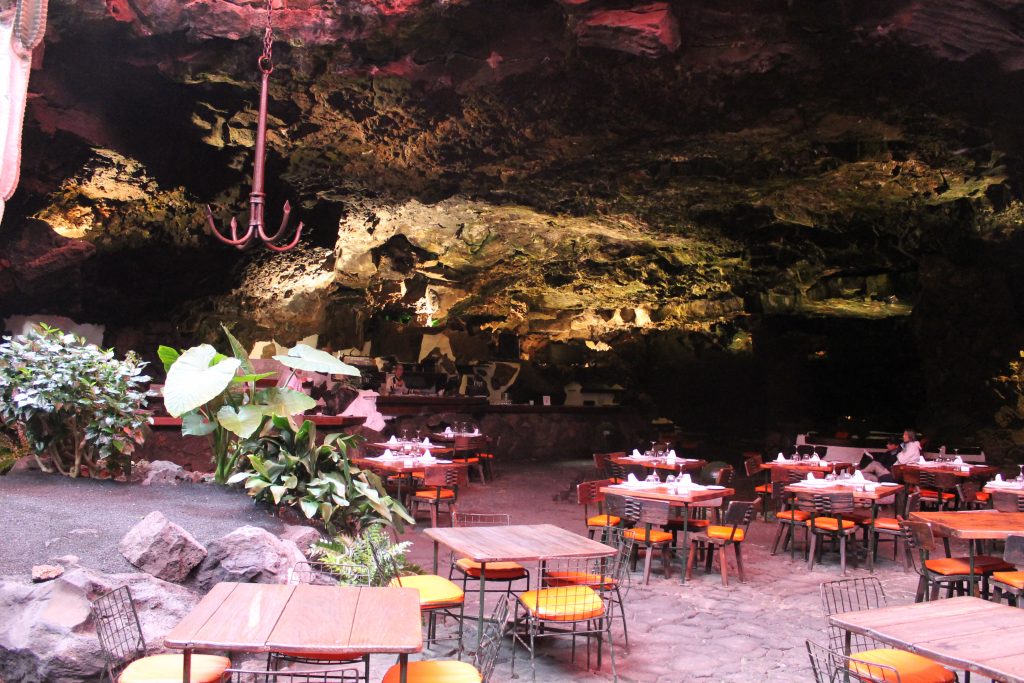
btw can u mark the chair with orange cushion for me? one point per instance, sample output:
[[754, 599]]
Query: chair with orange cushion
[[830, 519], [124, 648], [465, 451], [453, 671], [789, 520], [951, 572], [735, 523], [851, 595], [567, 609], [833, 666], [317, 573], [971, 496], [440, 487], [606, 469], [438, 596], [645, 514], [589, 493], [938, 490], [888, 528], [501, 572], [1011, 583], [753, 466]]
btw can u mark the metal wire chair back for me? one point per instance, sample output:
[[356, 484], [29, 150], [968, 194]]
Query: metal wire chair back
[[318, 573], [118, 629], [332, 675], [491, 639], [830, 666], [481, 519], [850, 595]]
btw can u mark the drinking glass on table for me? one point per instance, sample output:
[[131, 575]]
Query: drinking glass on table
[[405, 435], [670, 479], [1020, 477]]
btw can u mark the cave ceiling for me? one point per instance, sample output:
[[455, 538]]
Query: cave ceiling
[[573, 170]]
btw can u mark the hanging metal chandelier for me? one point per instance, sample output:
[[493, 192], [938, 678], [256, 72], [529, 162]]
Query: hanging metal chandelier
[[256, 196]]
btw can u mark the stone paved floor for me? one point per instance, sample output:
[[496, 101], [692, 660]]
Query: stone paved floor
[[754, 631]]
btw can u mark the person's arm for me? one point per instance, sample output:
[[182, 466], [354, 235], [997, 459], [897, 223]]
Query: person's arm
[[911, 453]]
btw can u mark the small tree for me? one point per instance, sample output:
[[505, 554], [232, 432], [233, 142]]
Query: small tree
[[70, 403]]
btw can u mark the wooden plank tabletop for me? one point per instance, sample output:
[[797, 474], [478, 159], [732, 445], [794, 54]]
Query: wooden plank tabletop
[[974, 524], [803, 465], [667, 493], [974, 471], [517, 543], [963, 632], [402, 465], [415, 447], [881, 490], [661, 463], [327, 620]]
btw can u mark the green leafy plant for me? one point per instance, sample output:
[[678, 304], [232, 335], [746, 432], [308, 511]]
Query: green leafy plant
[[350, 558], [70, 403], [290, 468], [216, 396]]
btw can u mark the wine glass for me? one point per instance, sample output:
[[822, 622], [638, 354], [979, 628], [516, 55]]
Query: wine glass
[[1020, 477], [405, 435]]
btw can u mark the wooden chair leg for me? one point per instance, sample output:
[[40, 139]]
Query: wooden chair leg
[[778, 537], [739, 563], [723, 563], [433, 515], [689, 560], [666, 560], [842, 554], [811, 553], [648, 554]]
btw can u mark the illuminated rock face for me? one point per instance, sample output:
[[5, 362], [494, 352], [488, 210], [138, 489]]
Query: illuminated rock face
[[619, 185]]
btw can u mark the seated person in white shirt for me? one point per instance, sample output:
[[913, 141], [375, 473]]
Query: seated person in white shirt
[[910, 453]]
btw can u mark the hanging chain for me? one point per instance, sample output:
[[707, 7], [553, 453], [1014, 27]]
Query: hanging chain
[[266, 60]]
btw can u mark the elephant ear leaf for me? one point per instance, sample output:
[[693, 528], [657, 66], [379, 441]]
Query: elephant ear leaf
[[303, 357], [284, 402], [194, 379], [244, 422]]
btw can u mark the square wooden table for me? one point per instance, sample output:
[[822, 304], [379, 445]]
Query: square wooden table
[[514, 543], [332, 621], [973, 525], [660, 462], [964, 633], [676, 497]]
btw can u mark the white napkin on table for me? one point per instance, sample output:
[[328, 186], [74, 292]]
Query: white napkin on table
[[476, 431], [426, 441], [631, 479], [999, 477], [448, 431], [815, 458], [672, 453], [858, 475], [388, 454], [393, 439], [958, 460], [780, 458], [810, 477], [636, 453], [427, 456], [686, 480]]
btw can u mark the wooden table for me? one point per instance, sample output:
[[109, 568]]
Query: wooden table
[[514, 543], [973, 525], [676, 497], [416, 447], [964, 633], [804, 465], [402, 466], [339, 621], [680, 465], [972, 471], [860, 492]]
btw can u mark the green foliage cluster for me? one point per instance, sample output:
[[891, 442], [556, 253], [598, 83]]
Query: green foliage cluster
[[288, 467], [350, 558], [70, 403], [1009, 386]]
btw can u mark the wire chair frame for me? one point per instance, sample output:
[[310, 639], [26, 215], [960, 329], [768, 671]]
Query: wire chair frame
[[851, 595], [118, 630], [572, 608], [508, 575], [493, 634], [331, 675], [829, 666]]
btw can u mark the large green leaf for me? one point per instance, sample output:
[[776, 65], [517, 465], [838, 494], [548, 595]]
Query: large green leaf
[[238, 352], [195, 424], [167, 356], [303, 357], [244, 422], [284, 402], [193, 381]]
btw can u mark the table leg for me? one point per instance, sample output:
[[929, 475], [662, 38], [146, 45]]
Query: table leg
[[686, 540], [872, 535], [435, 556], [480, 616], [186, 667], [970, 554], [403, 668]]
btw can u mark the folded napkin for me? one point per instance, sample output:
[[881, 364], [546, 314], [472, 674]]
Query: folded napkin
[[685, 480], [858, 475], [426, 441], [815, 458], [780, 458], [388, 454], [672, 453], [958, 460], [636, 453], [631, 479], [448, 431], [426, 455], [810, 477], [999, 477], [393, 439], [476, 431]]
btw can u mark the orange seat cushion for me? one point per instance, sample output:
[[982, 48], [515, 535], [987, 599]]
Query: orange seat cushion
[[603, 520], [1015, 579], [983, 564], [433, 494], [495, 570], [911, 668], [887, 523], [164, 668], [565, 603], [929, 493], [725, 533], [579, 579], [763, 488], [432, 671], [795, 515], [831, 523], [434, 590], [640, 534]]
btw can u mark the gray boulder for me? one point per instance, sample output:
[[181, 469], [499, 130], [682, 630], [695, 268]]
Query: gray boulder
[[160, 547], [165, 472], [47, 633], [248, 555], [303, 536]]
